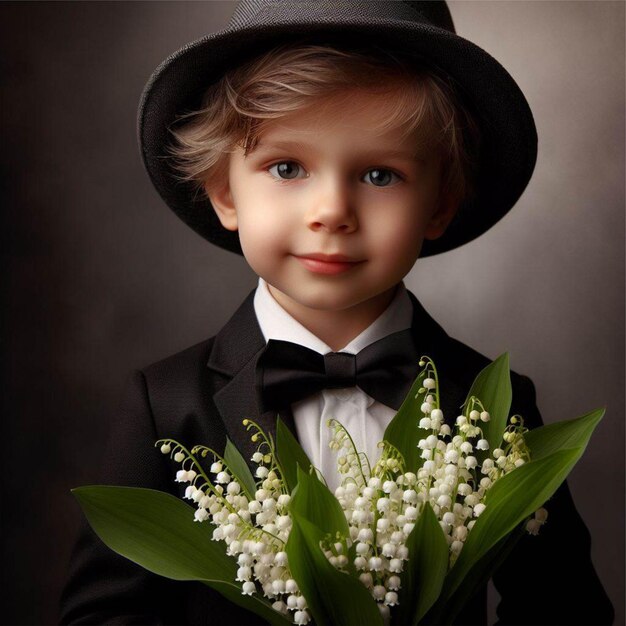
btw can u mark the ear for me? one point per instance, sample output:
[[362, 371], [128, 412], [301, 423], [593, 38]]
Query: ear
[[223, 204], [440, 220]]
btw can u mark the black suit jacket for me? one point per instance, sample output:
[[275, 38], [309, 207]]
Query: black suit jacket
[[201, 395]]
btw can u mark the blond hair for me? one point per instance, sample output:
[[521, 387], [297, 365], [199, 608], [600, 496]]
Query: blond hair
[[236, 109]]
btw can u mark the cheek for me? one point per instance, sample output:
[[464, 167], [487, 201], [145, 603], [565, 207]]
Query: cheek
[[263, 235], [397, 241]]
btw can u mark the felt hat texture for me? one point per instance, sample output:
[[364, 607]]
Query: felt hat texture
[[422, 29]]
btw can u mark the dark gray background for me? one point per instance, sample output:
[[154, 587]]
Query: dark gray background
[[102, 278]]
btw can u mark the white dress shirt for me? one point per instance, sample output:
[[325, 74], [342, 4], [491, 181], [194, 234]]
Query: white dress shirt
[[363, 417]]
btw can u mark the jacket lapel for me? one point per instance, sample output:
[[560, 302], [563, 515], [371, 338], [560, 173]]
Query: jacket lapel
[[234, 355]]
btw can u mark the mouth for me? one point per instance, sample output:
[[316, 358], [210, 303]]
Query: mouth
[[327, 263]]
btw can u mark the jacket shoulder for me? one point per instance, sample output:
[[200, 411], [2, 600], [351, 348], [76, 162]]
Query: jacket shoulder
[[180, 363]]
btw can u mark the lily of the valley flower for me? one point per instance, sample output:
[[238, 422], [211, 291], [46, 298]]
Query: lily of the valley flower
[[381, 501]]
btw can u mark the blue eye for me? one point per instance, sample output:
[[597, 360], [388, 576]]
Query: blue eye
[[381, 177], [286, 170]]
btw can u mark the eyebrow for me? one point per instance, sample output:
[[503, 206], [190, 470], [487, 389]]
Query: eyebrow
[[374, 153]]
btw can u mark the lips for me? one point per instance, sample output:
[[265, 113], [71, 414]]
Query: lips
[[327, 263]]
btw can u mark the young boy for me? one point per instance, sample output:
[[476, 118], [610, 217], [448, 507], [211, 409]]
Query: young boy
[[332, 144]]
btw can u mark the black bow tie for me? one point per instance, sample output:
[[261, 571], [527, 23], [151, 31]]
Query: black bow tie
[[287, 372]]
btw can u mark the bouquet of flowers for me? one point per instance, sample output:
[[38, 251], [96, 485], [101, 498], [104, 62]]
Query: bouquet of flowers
[[405, 540]]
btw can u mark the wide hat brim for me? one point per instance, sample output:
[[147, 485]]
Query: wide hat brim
[[509, 137]]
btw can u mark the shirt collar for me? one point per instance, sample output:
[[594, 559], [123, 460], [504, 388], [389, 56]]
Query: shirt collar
[[276, 323]]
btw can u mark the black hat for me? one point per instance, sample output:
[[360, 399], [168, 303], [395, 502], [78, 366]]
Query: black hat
[[509, 136]]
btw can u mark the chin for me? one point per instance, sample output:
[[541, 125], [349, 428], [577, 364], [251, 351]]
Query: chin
[[324, 299]]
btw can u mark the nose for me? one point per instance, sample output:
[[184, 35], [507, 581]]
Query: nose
[[332, 208]]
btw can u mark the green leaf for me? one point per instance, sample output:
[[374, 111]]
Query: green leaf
[[290, 454], [332, 596], [403, 431], [492, 387], [156, 530], [512, 499], [445, 611], [239, 469], [561, 435], [254, 604], [315, 502], [425, 571]]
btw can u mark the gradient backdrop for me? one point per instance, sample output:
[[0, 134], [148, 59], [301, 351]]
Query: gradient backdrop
[[102, 278]]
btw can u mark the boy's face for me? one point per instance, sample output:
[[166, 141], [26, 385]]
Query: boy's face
[[331, 213]]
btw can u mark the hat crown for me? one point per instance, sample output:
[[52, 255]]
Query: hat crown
[[255, 12]]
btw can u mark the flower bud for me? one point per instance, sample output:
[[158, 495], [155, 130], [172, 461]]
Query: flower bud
[[449, 518], [466, 447], [444, 501], [456, 547], [389, 550], [471, 462], [248, 588], [280, 606], [391, 598], [478, 509], [383, 504], [375, 564], [379, 592], [472, 499], [374, 483], [360, 562], [244, 573], [222, 477], [395, 565], [429, 466], [283, 500], [411, 513], [460, 533], [533, 526], [389, 486]]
